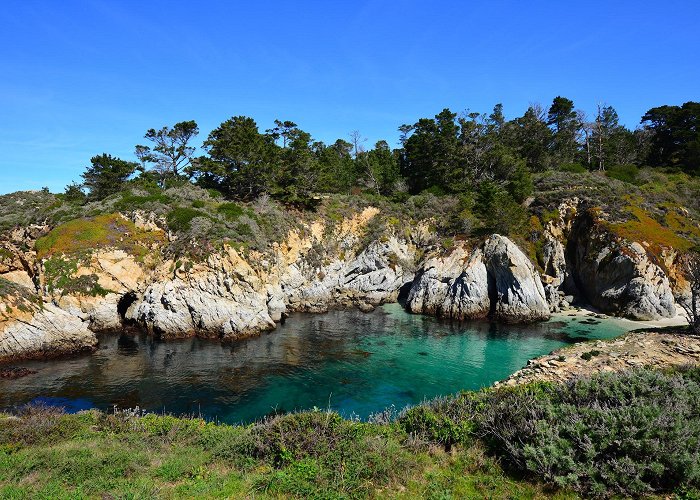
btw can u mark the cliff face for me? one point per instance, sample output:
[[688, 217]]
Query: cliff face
[[235, 293], [495, 279], [617, 276]]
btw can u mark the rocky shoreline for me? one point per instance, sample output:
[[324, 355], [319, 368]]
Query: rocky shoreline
[[653, 349], [235, 293]]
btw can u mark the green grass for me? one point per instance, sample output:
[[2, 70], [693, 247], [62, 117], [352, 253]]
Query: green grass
[[45, 454], [524, 442]]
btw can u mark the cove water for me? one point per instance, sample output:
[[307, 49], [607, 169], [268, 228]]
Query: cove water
[[353, 362]]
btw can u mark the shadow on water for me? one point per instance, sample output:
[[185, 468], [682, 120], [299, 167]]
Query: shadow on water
[[353, 362]]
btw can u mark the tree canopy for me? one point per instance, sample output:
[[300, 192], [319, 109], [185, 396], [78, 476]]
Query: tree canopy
[[675, 136], [171, 153], [484, 156], [106, 175]]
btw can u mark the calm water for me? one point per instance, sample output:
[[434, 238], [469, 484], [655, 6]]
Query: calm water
[[357, 363]]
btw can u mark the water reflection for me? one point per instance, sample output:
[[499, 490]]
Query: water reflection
[[353, 362]]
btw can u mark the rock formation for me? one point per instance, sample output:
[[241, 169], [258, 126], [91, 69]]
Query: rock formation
[[454, 285], [515, 288], [234, 294], [495, 280], [635, 349], [617, 276], [47, 332]]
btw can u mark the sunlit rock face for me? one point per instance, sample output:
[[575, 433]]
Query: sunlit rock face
[[452, 284], [44, 333], [515, 288], [495, 280]]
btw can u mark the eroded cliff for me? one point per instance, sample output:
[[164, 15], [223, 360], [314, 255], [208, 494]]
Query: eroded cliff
[[363, 259]]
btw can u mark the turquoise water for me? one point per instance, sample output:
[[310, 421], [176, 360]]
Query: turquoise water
[[356, 363]]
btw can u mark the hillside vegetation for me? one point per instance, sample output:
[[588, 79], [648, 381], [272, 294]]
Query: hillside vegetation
[[659, 208], [471, 173]]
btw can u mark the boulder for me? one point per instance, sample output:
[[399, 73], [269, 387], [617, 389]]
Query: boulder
[[515, 288], [46, 332], [454, 286], [497, 280]]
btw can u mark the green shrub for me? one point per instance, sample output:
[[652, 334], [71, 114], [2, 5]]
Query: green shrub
[[58, 273], [588, 355], [130, 201], [625, 173], [442, 421], [86, 284], [197, 204], [244, 230], [230, 210], [634, 433], [296, 436], [180, 219], [575, 168]]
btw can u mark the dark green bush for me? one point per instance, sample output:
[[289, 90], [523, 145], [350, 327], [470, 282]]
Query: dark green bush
[[576, 168], [442, 421], [197, 204], [180, 219], [130, 201], [230, 210], [244, 230], [588, 355], [633, 433], [624, 173]]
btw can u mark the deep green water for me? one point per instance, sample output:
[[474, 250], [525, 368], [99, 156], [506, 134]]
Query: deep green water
[[354, 362]]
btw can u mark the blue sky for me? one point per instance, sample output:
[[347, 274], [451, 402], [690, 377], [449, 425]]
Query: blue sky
[[81, 78]]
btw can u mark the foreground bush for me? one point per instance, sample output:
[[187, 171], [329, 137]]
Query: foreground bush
[[632, 433]]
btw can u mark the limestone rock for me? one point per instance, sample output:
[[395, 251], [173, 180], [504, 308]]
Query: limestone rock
[[47, 332], [515, 288], [452, 286]]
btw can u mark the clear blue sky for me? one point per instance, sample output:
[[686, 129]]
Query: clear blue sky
[[84, 77]]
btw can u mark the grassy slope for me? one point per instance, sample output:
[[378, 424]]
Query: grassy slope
[[661, 208], [632, 433], [50, 455]]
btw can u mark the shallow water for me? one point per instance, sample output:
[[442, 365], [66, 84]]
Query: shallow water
[[356, 363]]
